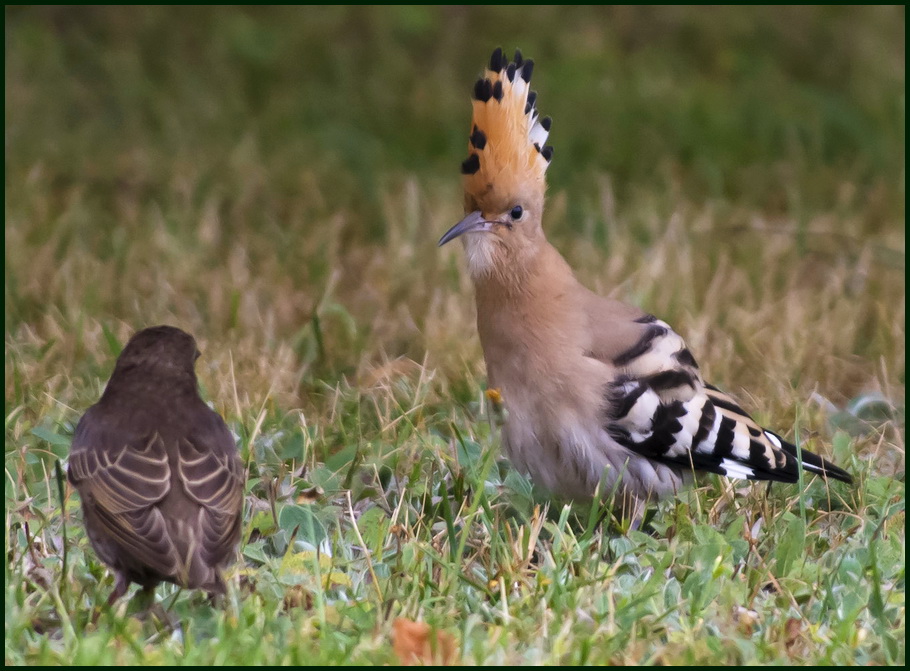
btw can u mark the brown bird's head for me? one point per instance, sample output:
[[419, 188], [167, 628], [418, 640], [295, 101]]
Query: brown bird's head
[[163, 351], [505, 172]]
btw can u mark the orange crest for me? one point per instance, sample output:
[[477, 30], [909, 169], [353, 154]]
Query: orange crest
[[507, 139]]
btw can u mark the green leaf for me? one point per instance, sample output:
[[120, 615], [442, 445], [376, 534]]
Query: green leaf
[[256, 553], [469, 454], [372, 525], [302, 518], [50, 436], [791, 546], [263, 522]]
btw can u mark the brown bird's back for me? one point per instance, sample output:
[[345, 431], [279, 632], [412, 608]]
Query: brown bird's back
[[158, 471]]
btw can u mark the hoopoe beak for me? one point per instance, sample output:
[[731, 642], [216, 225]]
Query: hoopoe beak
[[473, 222]]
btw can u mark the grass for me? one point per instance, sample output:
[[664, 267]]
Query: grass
[[274, 181]]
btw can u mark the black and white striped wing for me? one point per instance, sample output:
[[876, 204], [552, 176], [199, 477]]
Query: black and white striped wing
[[659, 407]]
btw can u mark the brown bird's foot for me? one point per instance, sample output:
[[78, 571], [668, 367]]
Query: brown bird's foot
[[149, 609], [217, 599], [217, 591], [170, 622]]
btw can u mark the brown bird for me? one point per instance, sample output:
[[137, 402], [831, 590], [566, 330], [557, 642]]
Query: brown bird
[[596, 390], [158, 471]]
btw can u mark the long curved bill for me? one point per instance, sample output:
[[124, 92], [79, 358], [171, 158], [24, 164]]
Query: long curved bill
[[472, 222]]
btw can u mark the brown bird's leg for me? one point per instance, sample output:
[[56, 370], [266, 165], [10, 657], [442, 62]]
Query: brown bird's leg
[[217, 591], [156, 609], [120, 588], [147, 595]]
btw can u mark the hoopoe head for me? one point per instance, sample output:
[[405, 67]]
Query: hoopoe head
[[505, 172]]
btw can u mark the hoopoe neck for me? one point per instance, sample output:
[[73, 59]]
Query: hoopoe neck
[[538, 278], [532, 311]]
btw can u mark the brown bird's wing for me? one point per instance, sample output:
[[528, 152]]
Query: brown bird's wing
[[659, 406], [121, 475], [213, 476]]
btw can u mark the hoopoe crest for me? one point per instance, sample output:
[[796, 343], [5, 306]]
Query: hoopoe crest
[[505, 172], [598, 391], [507, 143]]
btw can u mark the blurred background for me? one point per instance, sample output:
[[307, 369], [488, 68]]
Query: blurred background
[[275, 180]]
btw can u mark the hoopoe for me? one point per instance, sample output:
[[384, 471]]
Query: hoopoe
[[158, 471], [598, 392]]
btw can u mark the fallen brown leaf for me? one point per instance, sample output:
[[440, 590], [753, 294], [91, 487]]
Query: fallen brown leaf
[[792, 630], [416, 643]]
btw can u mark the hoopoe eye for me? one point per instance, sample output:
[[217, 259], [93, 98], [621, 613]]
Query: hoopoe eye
[[516, 212]]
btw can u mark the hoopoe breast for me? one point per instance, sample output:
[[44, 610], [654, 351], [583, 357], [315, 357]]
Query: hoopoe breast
[[555, 394]]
